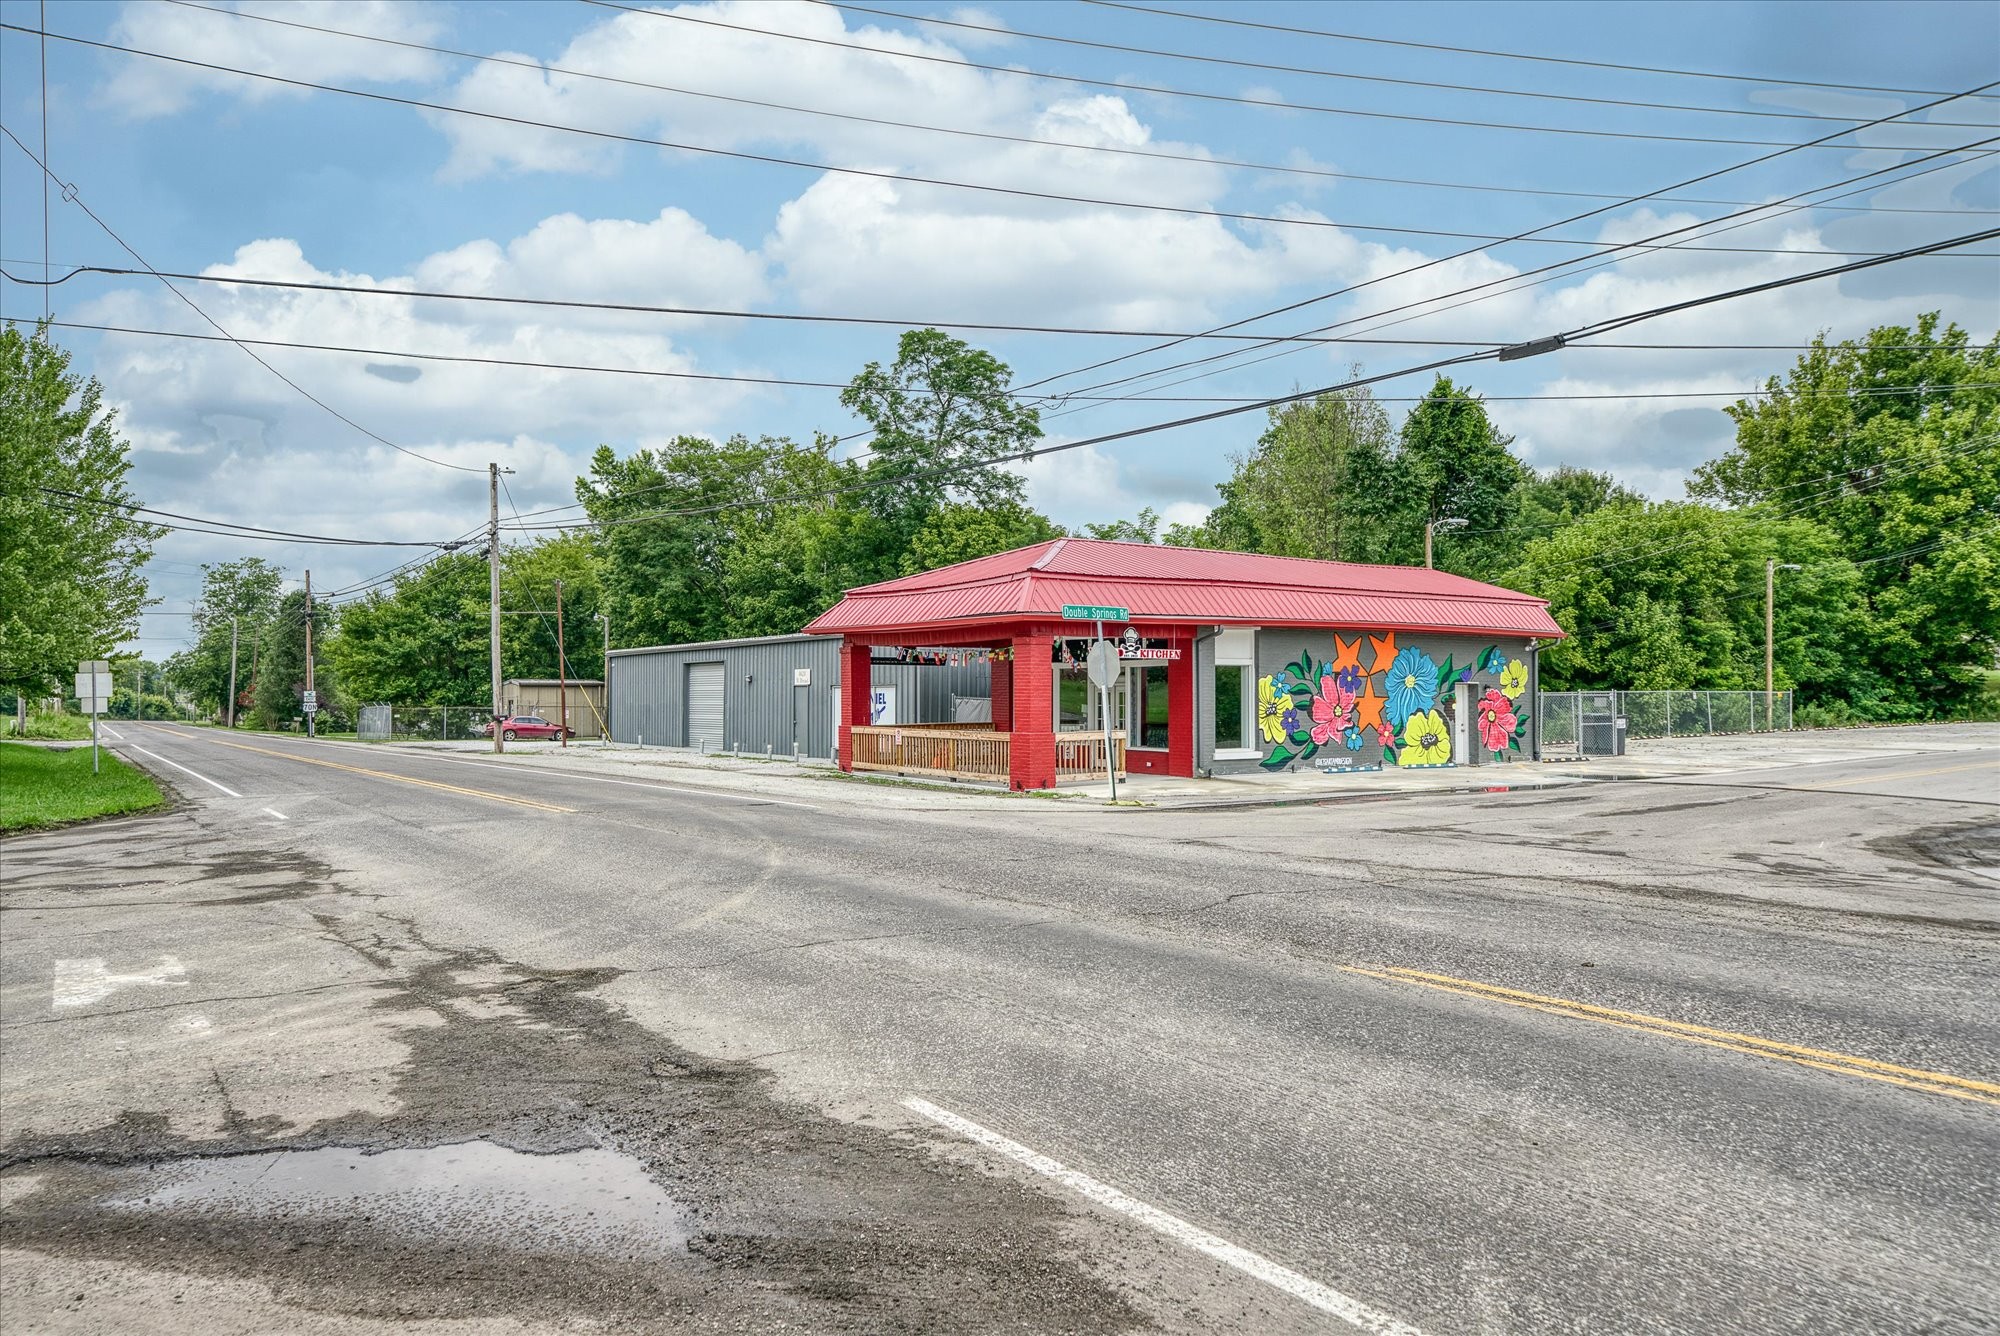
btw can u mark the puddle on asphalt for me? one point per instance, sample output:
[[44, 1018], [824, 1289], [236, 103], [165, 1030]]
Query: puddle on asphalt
[[473, 1192]]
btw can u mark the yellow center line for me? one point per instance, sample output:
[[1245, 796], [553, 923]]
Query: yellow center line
[[1844, 1064], [400, 779], [1904, 774]]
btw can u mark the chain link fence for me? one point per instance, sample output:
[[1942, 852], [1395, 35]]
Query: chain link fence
[[422, 723], [1590, 722]]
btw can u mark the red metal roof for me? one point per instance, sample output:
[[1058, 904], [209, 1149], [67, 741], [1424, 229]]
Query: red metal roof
[[1186, 584]]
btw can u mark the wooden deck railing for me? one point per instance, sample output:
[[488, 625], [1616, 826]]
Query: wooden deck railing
[[959, 753], [971, 751], [1081, 755]]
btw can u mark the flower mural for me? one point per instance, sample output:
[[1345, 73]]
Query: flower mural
[[1274, 698], [1406, 697], [1497, 721], [1332, 710], [1426, 740], [1412, 684]]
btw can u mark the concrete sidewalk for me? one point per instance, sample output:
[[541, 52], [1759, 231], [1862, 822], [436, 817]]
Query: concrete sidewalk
[[1646, 759]]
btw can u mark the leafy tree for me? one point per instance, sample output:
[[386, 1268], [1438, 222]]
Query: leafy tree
[[1315, 485], [1453, 464], [959, 532], [425, 641], [1672, 596], [1893, 443], [70, 582], [528, 576], [248, 590], [939, 412], [281, 659]]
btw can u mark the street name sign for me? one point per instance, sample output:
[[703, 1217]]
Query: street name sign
[[1087, 612]]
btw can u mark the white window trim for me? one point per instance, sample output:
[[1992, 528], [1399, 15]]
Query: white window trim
[[1249, 664]]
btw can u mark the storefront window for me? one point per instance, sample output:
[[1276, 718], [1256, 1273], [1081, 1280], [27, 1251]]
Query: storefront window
[[1149, 706], [1235, 709]]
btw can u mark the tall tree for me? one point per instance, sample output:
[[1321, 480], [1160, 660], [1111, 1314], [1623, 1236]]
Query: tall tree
[[247, 590], [425, 641], [71, 550], [281, 670], [1453, 464], [1893, 443], [940, 412]]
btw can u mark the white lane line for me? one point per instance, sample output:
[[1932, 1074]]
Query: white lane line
[[1322, 1297], [116, 736], [602, 779], [272, 811], [178, 766]]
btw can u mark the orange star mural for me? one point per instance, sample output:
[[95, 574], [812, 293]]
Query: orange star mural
[[1385, 650], [1368, 705], [1346, 654]]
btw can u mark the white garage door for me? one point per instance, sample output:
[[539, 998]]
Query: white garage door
[[704, 706]]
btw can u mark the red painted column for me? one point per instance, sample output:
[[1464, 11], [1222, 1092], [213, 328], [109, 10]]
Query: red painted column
[[856, 691], [1002, 691], [1180, 706], [1032, 753]]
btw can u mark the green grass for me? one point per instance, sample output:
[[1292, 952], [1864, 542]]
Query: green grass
[[55, 727], [42, 787]]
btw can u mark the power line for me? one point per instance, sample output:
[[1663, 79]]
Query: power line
[[1164, 91], [1033, 452], [1509, 55], [71, 194], [544, 68], [248, 531], [1191, 211], [1269, 67], [1554, 269], [592, 369]]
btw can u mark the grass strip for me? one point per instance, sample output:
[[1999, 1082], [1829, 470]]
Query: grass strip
[[41, 787]]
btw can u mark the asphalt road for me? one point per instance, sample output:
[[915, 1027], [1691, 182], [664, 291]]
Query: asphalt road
[[1712, 1054]]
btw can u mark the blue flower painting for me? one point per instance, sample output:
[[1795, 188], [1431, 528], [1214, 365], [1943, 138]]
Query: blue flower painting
[[1411, 684]]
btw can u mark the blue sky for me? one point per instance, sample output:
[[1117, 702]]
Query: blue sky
[[201, 170]]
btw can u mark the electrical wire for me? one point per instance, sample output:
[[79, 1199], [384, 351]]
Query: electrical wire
[[1507, 55], [1162, 90], [543, 69], [247, 530], [905, 178], [70, 193], [1021, 34]]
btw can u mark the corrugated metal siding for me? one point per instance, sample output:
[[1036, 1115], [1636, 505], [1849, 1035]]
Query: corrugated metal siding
[[648, 692]]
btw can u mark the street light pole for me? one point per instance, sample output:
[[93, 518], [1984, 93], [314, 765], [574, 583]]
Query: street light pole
[[1434, 526]]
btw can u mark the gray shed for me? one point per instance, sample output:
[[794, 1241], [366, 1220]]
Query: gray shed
[[771, 695]]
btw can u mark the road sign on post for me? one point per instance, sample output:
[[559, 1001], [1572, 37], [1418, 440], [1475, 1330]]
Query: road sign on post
[[1103, 667], [1090, 612], [311, 702], [93, 696]]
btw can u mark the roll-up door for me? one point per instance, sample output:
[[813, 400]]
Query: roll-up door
[[704, 706]]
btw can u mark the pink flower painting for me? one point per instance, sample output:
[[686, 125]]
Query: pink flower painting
[[1496, 720], [1332, 709]]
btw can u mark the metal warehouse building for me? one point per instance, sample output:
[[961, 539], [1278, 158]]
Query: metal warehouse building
[[780, 695]]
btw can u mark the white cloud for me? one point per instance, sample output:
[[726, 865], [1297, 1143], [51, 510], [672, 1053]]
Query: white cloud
[[143, 87]]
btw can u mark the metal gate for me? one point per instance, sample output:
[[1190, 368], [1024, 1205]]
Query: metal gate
[[704, 706]]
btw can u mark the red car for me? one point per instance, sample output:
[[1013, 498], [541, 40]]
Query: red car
[[527, 726]]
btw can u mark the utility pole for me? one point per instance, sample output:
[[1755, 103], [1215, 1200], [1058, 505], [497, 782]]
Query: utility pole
[[139, 691], [231, 713], [314, 712], [562, 675], [1771, 569], [603, 723], [493, 591]]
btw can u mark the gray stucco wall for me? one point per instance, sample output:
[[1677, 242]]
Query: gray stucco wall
[[1278, 647], [760, 703]]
